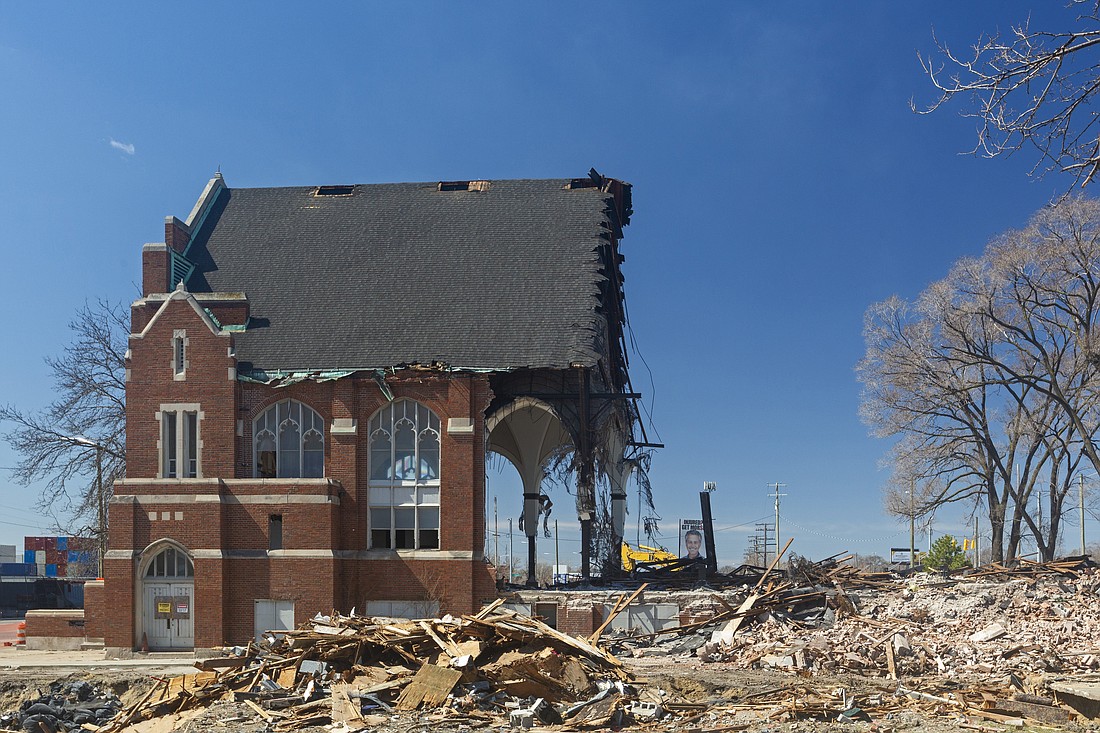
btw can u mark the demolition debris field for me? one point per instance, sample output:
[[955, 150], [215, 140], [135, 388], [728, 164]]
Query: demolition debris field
[[997, 650]]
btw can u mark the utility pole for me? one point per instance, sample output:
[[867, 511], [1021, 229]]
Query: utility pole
[[777, 495], [496, 536], [976, 555], [912, 526], [761, 539], [1039, 540], [509, 550], [557, 555]]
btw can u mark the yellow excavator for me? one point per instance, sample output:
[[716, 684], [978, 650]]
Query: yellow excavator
[[643, 553]]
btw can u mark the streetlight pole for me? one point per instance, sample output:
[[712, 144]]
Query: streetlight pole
[[101, 517], [101, 503]]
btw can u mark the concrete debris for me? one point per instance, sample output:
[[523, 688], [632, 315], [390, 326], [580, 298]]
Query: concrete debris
[[921, 645]]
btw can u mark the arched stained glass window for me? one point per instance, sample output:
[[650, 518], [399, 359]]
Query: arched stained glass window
[[170, 563], [289, 439], [404, 477]]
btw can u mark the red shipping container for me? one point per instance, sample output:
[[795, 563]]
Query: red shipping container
[[40, 543], [28, 543], [54, 556]]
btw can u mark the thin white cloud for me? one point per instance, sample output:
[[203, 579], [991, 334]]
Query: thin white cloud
[[127, 148]]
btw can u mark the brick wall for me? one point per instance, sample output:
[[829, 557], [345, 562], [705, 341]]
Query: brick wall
[[94, 609], [55, 629], [326, 562], [580, 619], [154, 271], [206, 382]]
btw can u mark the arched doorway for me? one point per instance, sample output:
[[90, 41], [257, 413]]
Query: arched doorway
[[168, 591]]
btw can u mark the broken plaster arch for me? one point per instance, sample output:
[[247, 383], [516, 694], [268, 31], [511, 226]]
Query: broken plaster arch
[[527, 431]]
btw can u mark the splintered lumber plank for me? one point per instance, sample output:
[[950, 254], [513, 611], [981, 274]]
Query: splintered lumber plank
[[222, 663], [891, 664], [771, 567], [483, 613], [176, 685], [287, 677], [430, 686], [450, 649], [741, 614], [262, 713], [344, 710], [619, 608]]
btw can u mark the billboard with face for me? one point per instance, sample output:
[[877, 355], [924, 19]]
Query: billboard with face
[[691, 538]]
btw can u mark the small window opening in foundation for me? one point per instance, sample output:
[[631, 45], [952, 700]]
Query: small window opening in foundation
[[463, 185], [334, 191], [275, 532]]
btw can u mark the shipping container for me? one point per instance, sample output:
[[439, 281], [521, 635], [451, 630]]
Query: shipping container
[[51, 570], [17, 569], [40, 557], [63, 544], [28, 556]]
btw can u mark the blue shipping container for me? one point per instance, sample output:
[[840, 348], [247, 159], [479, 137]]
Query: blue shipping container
[[28, 556], [51, 570], [63, 543], [16, 568]]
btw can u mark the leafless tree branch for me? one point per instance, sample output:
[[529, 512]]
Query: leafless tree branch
[[1028, 88], [84, 425]]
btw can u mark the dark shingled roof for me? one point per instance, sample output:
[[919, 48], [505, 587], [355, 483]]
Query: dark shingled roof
[[397, 274]]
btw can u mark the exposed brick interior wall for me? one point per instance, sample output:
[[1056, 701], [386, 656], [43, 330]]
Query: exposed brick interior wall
[[580, 619]]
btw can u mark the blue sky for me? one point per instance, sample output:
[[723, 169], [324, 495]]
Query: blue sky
[[781, 185]]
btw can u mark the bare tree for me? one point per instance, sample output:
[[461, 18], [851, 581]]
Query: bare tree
[[961, 428], [991, 379], [76, 445], [1030, 87]]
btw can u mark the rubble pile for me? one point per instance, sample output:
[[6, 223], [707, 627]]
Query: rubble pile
[[998, 647], [68, 706], [1022, 625], [1002, 645], [358, 671]]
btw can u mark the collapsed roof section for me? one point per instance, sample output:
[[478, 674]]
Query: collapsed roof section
[[467, 275]]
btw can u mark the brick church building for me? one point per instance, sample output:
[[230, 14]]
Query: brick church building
[[315, 376]]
